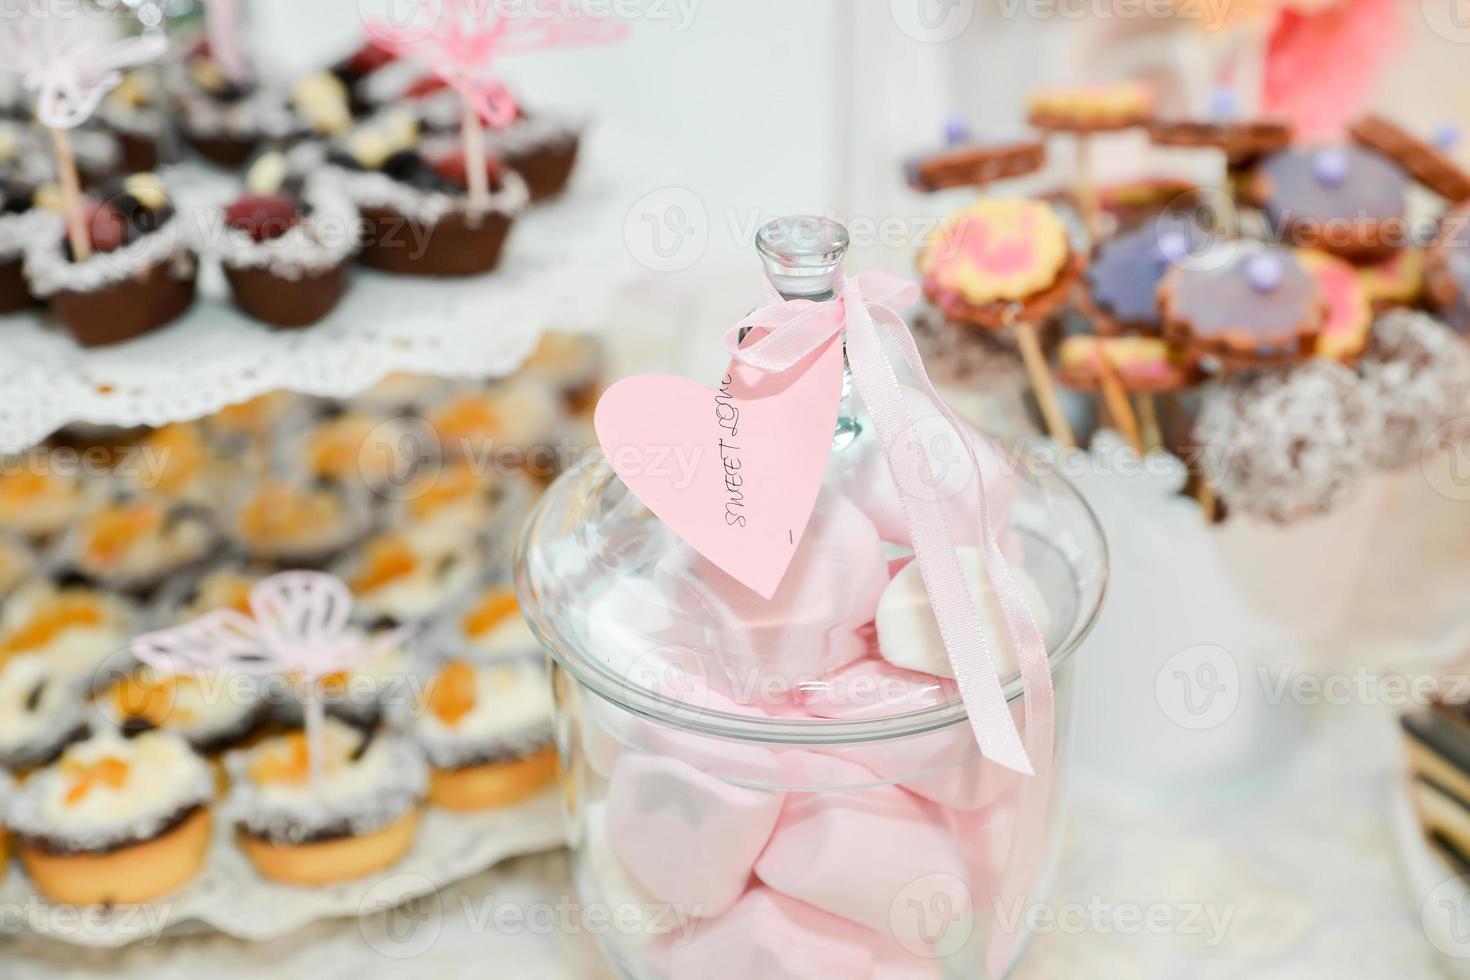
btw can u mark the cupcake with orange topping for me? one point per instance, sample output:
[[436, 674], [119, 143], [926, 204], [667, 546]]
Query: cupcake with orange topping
[[504, 424], [176, 462], [212, 713], [38, 500], [74, 628], [491, 628], [298, 524], [486, 730], [359, 816], [446, 505], [222, 585], [344, 444], [115, 821], [41, 713], [395, 579], [572, 364], [136, 541]]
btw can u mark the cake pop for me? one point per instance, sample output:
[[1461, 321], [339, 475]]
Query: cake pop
[[1420, 372]]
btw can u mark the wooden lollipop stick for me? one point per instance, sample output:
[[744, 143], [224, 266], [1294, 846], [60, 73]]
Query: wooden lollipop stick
[[1041, 384], [1120, 409], [476, 169], [71, 195], [1148, 421], [1086, 189]]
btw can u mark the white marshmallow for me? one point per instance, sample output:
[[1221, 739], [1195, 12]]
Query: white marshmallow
[[908, 634]]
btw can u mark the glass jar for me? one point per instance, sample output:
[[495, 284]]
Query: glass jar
[[754, 787]]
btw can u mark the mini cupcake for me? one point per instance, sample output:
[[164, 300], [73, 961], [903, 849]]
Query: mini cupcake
[[360, 696], [132, 111], [239, 427], [417, 214], [115, 821], [227, 120], [491, 628], [139, 277], [487, 733], [38, 500], [176, 463], [572, 365], [136, 541], [360, 65], [222, 585], [74, 627], [541, 149], [286, 245], [393, 579], [298, 524], [503, 423], [361, 817], [41, 713], [211, 713]]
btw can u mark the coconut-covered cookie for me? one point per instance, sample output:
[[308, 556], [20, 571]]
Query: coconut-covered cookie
[[115, 820], [360, 817], [1288, 443], [487, 733], [136, 541], [74, 627], [1420, 372], [39, 499], [395, 578]]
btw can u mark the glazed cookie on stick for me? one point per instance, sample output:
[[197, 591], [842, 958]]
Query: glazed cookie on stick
[[968, 162], [1346, 200], [1425, 159], [1122, 280], [1344, 333], [1245, 304]]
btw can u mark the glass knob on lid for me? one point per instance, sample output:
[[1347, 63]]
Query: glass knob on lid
[[803, 255]]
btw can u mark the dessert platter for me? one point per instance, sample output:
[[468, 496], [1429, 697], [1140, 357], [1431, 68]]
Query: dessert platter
[[133, 781], [315, 234]]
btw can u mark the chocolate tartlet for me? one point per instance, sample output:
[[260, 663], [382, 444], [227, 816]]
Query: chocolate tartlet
[[417, 216], [140, 275], [133, 112], [226, 120], [21, 223], [287, 244]]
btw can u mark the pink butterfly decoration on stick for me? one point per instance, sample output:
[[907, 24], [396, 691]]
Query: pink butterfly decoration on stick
[[298, 626], [461, 41]]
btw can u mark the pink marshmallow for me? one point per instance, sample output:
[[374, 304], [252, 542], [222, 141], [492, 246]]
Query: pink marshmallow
[[689, 838], [861, 854], [773, 937], [759, 648], [955, 774], [866, 477], [984, 838]]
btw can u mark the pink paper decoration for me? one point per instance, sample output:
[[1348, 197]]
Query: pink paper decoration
[[1321, 66], [461, 40]]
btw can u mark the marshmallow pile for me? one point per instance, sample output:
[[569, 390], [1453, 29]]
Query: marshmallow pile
[[783, 857]]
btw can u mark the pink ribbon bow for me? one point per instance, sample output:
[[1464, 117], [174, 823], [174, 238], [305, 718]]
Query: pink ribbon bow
[[298, 626], [60, 58], [791, 330], [460, 40]]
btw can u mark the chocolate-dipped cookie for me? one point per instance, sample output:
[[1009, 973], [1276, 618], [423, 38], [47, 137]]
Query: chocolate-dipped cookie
[[1243, 141], [1345, 200], [969, 162], [1425, 161], [1246, 304]]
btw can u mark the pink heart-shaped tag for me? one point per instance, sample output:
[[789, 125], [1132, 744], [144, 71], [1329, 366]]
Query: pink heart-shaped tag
[[735, 471]]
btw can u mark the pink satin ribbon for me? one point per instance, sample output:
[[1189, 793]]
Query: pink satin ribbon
[[863, 310]]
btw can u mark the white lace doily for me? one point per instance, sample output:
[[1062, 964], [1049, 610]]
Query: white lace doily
[[230, 897], [564, 261]]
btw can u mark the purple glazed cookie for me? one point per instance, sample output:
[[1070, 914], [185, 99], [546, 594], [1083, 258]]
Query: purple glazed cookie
[[1123, 278], [1346, 200], [1246, 304]]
